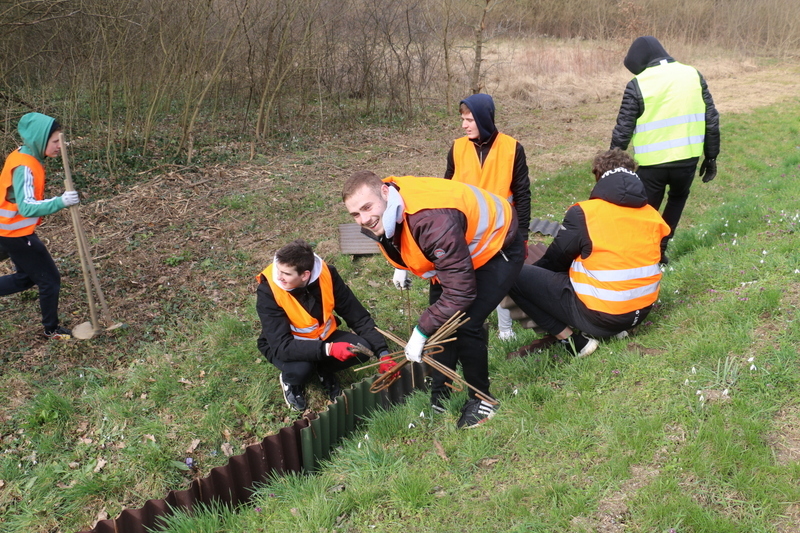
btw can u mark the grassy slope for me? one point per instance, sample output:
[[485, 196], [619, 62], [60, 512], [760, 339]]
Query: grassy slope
[[617, 435], [688, 425]]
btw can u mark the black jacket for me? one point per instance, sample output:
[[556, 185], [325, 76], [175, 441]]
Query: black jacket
[[647, 52], [276, 340]]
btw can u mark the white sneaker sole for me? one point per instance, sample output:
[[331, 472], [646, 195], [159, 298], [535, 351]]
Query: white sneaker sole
[[589, 349]]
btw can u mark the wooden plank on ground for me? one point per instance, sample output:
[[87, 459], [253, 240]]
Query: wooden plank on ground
[[353, 242]]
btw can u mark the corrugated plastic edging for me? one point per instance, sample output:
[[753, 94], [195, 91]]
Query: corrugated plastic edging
[[296, 448]]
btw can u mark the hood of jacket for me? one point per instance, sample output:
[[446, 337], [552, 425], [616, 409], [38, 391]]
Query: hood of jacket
[[645, 52], [620, 187], [34, 128], [482, 107]]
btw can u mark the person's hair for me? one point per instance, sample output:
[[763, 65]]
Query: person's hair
[[297, 254], [54, 128], [611, 159], [360, 179], [464, 108]]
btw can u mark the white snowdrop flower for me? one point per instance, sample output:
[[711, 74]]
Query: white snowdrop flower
[[764, 252], [796, 271], [366, 436], [411, 425], [359, 445], [663, 269], [694, 370], [686, 382], [702, 399], [751, 359], [516, 391], [725, 392], [671, 269], [726, 224], [733, 243], [753, 367], [699, 392], [422, 414], [676, 291]]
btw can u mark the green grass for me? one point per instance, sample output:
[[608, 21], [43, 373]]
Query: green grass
[[621, 434]]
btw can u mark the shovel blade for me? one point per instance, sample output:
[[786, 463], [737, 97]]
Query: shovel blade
[[83, 331]]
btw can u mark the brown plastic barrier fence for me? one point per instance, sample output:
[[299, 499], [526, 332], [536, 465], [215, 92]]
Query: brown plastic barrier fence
[[296, 448]]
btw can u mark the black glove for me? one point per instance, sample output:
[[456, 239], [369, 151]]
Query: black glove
[[708, 170]]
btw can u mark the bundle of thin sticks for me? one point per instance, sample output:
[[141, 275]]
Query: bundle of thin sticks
[[432, 346]]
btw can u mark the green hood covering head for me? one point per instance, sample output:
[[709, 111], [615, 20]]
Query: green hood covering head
[[34, 128]]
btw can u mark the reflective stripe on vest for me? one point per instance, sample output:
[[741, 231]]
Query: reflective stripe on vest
[[673, 124], [621, 274], [488, 217], [302, 324], [13, 224], [497, 170]]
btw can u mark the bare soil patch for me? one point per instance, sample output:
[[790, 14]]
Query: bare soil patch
[[189, 235]]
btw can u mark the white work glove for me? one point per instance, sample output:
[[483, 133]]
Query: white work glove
[[400, 279], [415, 345], [70, 198]]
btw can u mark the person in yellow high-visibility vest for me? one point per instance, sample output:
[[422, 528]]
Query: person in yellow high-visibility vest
[[668, 115], [600, 275]]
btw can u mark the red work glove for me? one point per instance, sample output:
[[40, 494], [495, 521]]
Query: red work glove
[[340, 350], [388, 365]]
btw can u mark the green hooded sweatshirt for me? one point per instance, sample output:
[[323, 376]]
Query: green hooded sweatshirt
[[34, 128]]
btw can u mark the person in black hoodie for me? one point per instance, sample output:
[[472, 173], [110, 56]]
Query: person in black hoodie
[[668, 114], [600, 274], [297, 297]]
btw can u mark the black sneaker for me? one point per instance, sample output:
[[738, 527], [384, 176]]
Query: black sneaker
[[437, 399], [330, 385], [475, 412], [294, 395], [579, 346], [59, 334]]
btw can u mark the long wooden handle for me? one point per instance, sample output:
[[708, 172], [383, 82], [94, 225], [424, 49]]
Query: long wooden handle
[[86, 261]]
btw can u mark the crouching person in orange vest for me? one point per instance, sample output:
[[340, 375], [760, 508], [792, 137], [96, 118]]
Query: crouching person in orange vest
[[22, 206], [297, 296], [466, 241], [601, 273]]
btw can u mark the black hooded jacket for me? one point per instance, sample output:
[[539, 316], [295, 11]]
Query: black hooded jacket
[[482, 108], [646, 52], [620, 188]]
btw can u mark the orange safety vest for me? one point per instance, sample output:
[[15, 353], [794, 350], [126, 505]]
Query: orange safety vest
[[488, 219], [497, 170], [621, 275], [302, 324], [12, 223]]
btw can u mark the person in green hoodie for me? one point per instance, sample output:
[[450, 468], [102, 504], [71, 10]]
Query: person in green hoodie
[[22, 206]]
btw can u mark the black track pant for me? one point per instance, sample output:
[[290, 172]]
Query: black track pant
[[471, 349], [679, 180], [34, 266], [299, 372]]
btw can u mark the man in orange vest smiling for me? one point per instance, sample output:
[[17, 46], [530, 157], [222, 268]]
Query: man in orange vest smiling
[[465, 240], [22, 204], [601, 273], [297, 296]]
